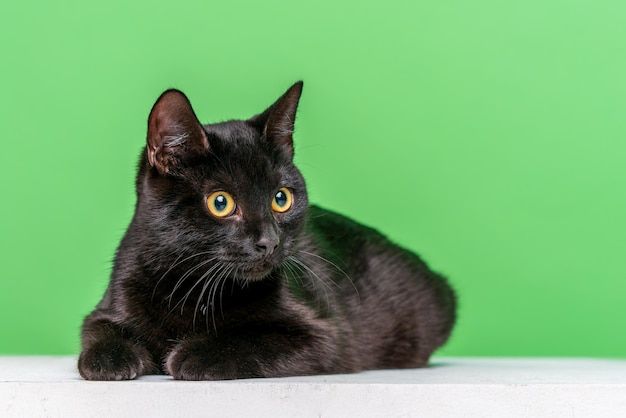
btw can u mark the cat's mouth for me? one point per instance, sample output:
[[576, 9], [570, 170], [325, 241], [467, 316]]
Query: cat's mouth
[[255, 270]]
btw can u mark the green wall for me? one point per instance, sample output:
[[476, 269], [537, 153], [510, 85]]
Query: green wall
[[489, 136]]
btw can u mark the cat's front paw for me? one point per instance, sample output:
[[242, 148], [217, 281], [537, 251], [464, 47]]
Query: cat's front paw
[[201, 360], [114, 360]]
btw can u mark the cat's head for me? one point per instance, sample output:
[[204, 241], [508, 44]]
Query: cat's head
[[227, 193]]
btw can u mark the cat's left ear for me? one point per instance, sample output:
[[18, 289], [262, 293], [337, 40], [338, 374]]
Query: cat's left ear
[[276, 123]]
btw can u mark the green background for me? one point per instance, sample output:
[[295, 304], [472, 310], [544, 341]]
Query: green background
[[489, 136]]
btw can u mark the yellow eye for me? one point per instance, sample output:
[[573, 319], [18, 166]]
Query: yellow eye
[[220, 204], [282, 200]]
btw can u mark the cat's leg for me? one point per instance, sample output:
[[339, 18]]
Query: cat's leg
[[109, 354], [254, 351]]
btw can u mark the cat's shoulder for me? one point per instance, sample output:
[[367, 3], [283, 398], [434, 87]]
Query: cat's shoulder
[[336, 226]]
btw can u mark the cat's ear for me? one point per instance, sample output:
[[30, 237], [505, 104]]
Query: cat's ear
[[174, 132], [276, 123]]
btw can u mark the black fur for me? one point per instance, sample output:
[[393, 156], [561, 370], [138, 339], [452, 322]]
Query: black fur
[[258, 293]]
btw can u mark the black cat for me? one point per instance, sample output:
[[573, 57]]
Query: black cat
[[226, 272]]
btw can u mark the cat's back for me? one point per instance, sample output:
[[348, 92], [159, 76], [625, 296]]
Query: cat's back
[[387, 292], [371, 269]]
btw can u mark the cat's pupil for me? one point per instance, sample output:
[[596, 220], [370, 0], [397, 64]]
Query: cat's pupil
[[281, 199], [220, 203]]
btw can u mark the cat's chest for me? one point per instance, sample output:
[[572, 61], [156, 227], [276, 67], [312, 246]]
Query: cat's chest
[[173, 309]]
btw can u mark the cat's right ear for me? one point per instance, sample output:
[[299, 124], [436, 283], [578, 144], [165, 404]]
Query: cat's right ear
[[174, 132]]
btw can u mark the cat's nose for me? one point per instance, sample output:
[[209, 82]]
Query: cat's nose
[[267, 244]]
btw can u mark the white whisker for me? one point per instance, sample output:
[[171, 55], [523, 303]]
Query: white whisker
[[317, 279], [208, 277], [336, 267], [184, 277], [175, 264]]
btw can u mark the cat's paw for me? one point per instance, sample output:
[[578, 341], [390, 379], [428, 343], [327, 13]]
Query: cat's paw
[[114, 360], [199, 360]]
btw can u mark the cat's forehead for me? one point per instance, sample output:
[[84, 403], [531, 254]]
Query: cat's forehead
[[239, 155], [233, 133]]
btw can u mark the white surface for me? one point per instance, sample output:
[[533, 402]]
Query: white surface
[[51, 387]]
